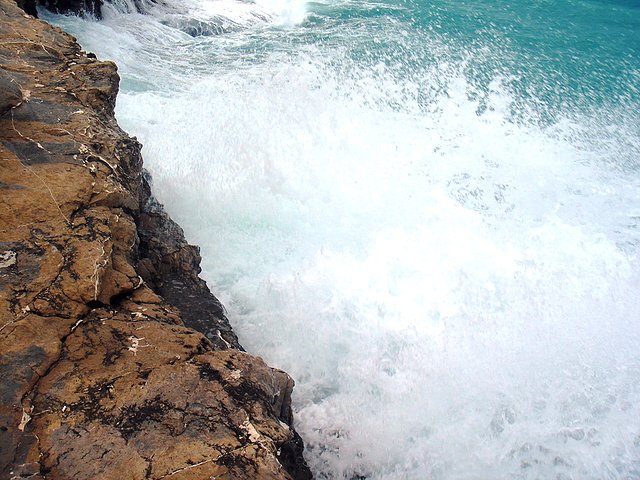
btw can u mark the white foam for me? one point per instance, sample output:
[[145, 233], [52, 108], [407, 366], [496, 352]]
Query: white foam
[[446, 290], [454, 292]]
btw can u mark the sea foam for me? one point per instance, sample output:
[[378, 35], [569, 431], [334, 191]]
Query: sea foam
[[452, 285]]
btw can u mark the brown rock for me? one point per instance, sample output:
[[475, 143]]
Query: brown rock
[[103, 375]]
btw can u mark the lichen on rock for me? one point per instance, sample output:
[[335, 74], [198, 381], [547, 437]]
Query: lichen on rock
[[116, 361]]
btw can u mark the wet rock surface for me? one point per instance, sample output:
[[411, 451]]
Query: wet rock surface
[[115, 359]]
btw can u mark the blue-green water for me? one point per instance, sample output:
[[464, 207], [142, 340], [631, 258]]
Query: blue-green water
[[428, 213]]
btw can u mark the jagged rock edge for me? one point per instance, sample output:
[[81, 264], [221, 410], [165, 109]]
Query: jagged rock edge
[[160, 223]]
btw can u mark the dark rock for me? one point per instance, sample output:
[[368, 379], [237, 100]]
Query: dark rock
[[10, 187], [29, 6], [171, 266], [91, 7], [10, 94], [292, 460], [45, 111], [32, 153]]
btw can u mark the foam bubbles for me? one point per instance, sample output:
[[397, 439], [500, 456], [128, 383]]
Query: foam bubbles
[[454, 289], [446, 290]]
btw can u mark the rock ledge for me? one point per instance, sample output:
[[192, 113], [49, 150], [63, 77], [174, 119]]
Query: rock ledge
[[116, 361]]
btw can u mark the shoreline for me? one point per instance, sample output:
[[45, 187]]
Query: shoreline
[[117, 361]]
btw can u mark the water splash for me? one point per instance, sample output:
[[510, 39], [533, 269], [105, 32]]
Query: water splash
[[450, 276]]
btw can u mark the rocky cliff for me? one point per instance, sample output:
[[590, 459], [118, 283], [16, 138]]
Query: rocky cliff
[[115, 360]]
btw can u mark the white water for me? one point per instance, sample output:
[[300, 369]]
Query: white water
[[455, 294]]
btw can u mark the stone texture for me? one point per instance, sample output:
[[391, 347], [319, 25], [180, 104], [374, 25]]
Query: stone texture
[[103, 374], [10, 94]]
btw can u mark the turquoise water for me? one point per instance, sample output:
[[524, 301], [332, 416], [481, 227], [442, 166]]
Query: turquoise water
[[428, 213]]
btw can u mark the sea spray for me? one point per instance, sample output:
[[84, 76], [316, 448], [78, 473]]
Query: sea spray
[[414, 213]]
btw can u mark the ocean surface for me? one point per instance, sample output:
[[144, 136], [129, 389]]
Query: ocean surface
[[427, 212]]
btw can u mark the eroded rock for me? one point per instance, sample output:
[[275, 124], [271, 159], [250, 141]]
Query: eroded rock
[[103, 375]]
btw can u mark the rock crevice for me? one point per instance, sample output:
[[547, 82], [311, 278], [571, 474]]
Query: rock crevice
[[116, 360]]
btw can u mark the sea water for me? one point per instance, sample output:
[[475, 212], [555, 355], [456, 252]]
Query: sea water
[[427, 212]]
